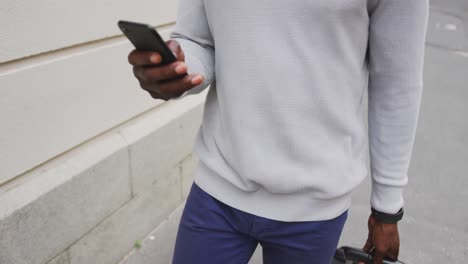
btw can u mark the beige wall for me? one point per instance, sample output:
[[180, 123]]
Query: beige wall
[[89, 162], [33, 27], [52, 102]]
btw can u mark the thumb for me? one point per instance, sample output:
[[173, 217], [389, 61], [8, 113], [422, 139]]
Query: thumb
[[378, 257], [367, 247], [176, 49]]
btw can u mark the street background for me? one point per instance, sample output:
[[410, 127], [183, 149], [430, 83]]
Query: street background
[[435, 225]]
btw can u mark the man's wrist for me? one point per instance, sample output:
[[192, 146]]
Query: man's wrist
[[386, 218]]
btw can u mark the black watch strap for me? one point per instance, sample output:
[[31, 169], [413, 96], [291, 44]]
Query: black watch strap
[[387, 218]]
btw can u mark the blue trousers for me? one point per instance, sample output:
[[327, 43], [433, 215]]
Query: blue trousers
[[211, 232]]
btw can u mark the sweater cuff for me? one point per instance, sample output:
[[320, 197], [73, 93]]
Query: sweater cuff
[[195, 66], [196, 59], [386, 199]]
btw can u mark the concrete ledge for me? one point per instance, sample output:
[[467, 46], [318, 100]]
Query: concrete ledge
[[160, 140], [108, 242], [53, 206], [91, 204], [63, 258], [158, 246], [188, 166]]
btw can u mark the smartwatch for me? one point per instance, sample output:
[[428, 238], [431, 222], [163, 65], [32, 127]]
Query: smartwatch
[[387, 218]]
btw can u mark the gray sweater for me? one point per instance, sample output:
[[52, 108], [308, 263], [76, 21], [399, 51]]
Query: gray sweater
[[284, 132]]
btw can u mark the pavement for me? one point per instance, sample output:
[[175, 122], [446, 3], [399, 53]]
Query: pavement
[[435, 226]]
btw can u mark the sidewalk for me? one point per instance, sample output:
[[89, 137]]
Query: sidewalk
[[435, 226]]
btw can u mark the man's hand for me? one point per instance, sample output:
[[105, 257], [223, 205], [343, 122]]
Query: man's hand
[[383, 240], [163, 82]]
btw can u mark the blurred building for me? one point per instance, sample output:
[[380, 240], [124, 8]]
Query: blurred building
[[89, 162]]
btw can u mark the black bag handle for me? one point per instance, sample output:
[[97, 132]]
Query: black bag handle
[[351, 255]]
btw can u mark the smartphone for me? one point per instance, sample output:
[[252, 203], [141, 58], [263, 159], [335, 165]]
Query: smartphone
[[146, 38]]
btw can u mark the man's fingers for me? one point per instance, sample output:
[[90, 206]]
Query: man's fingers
[[142, 58], [176, 49], [378, 257], [161, 73], [155, 95], [174, 87], [179, 86], [392, 254], [368, 246]]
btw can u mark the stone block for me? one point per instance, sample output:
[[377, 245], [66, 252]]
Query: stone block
[[158, 246], [68, 28], [188, 166], [161, 139], [48, 209], [108, 242], [62, 258]]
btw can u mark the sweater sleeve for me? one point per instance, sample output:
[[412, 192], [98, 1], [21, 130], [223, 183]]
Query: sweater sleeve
[[194, 36], [397, 34]]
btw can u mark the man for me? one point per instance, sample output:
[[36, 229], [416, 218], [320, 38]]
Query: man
[[283, 141]]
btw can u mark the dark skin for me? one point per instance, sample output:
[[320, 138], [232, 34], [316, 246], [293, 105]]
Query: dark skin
[[163, 82], [171, 80], [383, 240]]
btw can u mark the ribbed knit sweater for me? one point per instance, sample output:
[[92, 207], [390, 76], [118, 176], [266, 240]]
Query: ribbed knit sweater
[[284, 132]]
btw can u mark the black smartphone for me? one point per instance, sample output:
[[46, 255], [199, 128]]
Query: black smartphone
[[146, 38]]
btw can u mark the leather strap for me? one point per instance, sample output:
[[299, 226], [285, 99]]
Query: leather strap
[[387, 218]]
